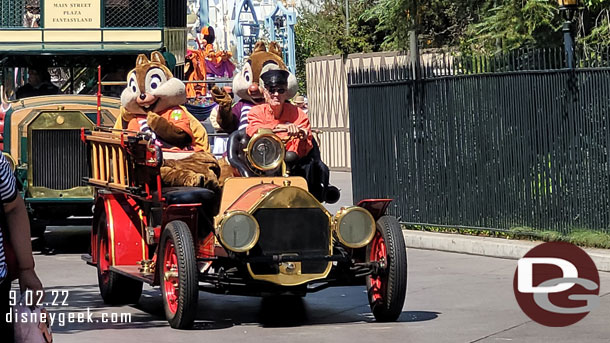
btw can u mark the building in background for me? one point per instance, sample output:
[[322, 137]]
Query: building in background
[[222, 15]]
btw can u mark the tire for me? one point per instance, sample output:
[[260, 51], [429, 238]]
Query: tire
[[387, 291], [180, 291], [38, 227], [116, 289]]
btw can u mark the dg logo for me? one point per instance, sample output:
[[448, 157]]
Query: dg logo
[[556, 284]]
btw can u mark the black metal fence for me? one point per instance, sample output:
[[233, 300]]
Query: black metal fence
[[487, 144]]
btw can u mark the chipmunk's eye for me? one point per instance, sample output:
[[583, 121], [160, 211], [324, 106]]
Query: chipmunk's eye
[[247, 72], [133, 84], [154, 79]]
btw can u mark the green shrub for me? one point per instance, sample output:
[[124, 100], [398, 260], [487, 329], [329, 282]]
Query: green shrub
[[580, 237]]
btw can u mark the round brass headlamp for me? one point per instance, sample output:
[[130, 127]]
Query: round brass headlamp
[[238, 231], [10, 160], [354, 226], [265, 150]]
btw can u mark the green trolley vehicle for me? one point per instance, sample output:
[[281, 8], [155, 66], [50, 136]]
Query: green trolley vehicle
[[79, 42]]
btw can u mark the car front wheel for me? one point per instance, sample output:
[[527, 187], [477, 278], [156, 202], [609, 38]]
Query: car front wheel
[[179, 278], [387, 289]]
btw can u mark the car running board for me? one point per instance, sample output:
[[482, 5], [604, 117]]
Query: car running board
[[134, 273]]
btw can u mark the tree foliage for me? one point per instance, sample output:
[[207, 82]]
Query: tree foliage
[[321, 30], [535, 23], [514, 24], [439, 23], [477, 26], [395, 17], [594, 26]]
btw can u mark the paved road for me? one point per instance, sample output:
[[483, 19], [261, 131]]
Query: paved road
[[451, 298]]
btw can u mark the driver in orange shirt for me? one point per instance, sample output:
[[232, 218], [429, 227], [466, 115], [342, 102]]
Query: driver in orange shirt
[[278, 113], [301, 157]]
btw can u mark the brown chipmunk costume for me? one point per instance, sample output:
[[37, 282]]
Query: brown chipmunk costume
[[246, 86], [228, 117], [152, 103]]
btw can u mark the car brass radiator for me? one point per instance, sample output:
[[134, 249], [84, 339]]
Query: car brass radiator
[[301, 231], [58, 159]]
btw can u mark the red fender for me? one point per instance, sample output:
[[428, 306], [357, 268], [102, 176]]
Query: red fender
[[126, 227], [99, 208], [189, 214], [377, 207], [186, 213]]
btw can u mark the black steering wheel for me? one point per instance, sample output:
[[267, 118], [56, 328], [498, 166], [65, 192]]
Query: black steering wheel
[[238, 140]]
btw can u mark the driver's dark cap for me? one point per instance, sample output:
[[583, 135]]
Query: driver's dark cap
[[274, 78]]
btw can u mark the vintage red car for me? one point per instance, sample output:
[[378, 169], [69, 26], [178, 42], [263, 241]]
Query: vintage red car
[[269, 236]]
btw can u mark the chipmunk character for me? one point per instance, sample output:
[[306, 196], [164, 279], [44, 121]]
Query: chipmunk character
[[245, 85], [152, 103], [228, 117]]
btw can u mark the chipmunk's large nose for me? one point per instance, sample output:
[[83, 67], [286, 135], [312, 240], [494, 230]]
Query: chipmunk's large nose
[[253, 89], [142, 96]]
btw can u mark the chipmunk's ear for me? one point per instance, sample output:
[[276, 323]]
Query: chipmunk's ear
[[157, 57], [142, 59], [259, 46], [274, 48]]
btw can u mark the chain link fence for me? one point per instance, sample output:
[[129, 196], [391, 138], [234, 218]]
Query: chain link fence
[[116, 13], [133, 13], [11, 13]]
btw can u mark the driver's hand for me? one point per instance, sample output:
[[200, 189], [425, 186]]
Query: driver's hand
[[293, 130]]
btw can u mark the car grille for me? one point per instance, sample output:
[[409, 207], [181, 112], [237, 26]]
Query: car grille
[[59, 159], [301, 231]]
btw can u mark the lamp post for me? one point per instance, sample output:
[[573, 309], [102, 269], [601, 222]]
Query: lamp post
[[568, 9]]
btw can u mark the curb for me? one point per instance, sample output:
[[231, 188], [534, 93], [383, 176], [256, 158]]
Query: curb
[[487, 246]]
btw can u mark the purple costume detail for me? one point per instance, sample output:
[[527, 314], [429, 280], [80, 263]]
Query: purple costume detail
[[222, 69]]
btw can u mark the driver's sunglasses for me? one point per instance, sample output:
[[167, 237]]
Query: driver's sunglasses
[[277, 90]]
